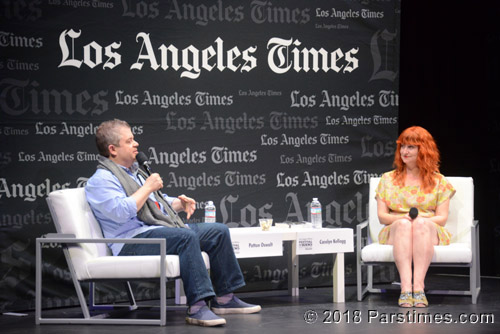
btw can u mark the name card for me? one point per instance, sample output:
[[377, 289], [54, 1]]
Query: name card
[[258, 244], [325, 241]]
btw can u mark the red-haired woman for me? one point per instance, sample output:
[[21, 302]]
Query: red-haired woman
[[414, 183]]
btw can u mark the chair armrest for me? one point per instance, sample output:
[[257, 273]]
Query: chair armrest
[[474, 231], [361, 226], [70, 239], [58, 235], [474, 234]]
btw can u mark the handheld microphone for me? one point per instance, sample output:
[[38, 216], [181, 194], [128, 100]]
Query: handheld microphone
[[413, 213], [143, 161]]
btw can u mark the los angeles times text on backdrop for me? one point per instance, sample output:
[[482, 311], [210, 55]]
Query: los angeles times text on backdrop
[[258, 106]]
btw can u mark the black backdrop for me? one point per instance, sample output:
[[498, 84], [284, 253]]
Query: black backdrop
[[454, 94]]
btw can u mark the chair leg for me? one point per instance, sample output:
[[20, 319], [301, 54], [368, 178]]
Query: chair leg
[[478, 265], [475, 269], [180, 296], [359, 281], [472, 284], [362, 291], [475, 277], [369, 278]]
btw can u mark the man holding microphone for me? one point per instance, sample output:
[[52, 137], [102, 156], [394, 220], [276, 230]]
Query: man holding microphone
[[128, 203]]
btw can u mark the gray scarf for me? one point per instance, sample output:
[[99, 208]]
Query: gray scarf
[[149, 213]]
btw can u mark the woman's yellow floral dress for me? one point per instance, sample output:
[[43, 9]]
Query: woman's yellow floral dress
[[400, 200]]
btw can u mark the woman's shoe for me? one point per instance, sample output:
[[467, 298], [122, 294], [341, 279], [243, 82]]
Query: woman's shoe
[[419, 299], [405, 299]]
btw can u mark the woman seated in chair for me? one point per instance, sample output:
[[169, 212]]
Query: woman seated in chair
[[414, 184]]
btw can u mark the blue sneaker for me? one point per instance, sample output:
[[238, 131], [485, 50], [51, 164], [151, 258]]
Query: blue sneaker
[[234, 306], [205, 317]]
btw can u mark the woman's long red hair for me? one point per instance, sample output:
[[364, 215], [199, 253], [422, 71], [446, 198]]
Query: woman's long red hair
[[427, 161]]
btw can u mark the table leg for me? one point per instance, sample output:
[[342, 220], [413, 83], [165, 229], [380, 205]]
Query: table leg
[[338, 278], [293, 269]]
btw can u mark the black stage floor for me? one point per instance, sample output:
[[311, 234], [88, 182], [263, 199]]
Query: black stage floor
[[377, 313]]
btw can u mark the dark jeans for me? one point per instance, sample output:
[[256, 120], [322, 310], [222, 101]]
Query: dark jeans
[[212, 238]]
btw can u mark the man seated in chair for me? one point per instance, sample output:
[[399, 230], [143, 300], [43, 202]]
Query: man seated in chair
[[127, 204]]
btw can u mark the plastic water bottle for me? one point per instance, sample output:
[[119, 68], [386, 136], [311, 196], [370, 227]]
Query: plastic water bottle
[[316, 219], [210, 212]]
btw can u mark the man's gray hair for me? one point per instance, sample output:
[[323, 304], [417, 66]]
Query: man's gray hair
[[107, 134]]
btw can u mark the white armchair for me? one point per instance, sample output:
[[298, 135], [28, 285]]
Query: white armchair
[[89, 259], [462, 252]]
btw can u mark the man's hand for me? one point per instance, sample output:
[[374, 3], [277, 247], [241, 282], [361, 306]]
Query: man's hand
[[188, 205], [154, 182]]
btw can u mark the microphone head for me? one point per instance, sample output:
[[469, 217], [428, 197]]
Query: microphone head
[[413, 213], [142, 159]]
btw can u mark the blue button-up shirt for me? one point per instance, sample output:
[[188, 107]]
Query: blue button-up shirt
[[114, 210]]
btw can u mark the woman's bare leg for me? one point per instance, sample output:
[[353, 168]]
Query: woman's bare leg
[[424, 238], [400, 236]]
